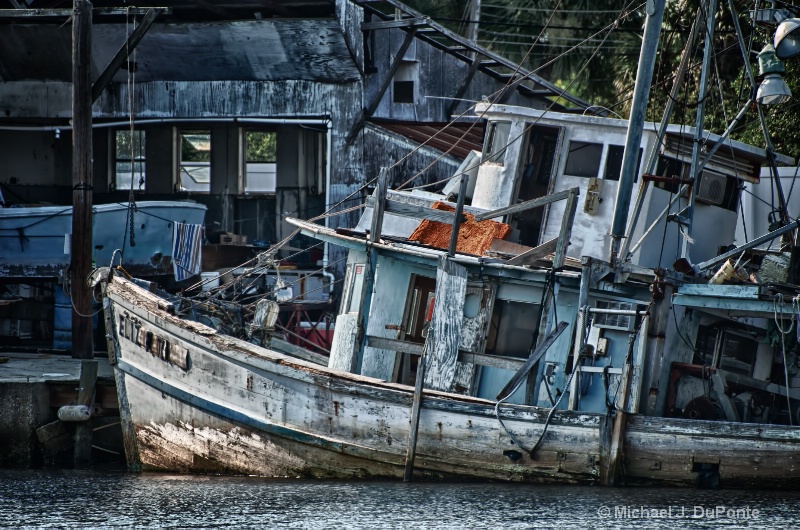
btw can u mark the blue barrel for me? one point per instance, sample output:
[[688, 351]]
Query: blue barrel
[[62, 321]]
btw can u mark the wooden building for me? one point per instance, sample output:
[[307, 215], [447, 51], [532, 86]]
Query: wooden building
[[330, 91]]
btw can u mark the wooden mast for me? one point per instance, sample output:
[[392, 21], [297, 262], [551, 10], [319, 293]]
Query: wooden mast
[[82, 347]]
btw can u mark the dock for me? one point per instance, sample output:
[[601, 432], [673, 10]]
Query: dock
[[34, 385]]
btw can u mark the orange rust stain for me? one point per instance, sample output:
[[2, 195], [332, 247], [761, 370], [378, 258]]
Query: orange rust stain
[[473, 238]]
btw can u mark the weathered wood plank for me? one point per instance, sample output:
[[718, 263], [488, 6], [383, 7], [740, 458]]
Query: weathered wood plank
[[413, 211], [481, 359], [722, 291], [566, 228], [83, 430], [531, 256], [521, 207], [445, 329], [501, 246], [343, 348]]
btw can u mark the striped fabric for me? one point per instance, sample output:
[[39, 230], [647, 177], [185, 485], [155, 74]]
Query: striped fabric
[[187, 241]]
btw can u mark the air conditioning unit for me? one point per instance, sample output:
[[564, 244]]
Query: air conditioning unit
[[611, 321], [712, 187]]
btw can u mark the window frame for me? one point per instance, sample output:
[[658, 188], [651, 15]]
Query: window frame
[[114, 160], [181, 132], [244, 162]]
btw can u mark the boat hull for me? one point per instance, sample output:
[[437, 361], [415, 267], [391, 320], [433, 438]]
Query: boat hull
[[35, 241], [197, 401]]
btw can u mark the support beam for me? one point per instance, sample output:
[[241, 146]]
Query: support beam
[[527, 205], [370, 110], [522, 373], [123, 53], [371, 269], [566, 229], [389, 24], [83, 430], [81, 259], [462, 192], [413, 211], [67, 13], [713, 262]]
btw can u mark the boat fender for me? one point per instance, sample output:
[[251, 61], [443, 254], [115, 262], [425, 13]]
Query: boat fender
[[74, 413]]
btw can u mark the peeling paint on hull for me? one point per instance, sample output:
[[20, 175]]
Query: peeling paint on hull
[[237, 408]]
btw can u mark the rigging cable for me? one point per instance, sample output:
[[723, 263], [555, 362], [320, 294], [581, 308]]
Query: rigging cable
[[610, 27], [777, 303]]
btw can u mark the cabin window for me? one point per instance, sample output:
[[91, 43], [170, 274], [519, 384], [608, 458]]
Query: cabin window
[[727, 349], [405, 81], [583, 159], [497, 141], [260, 161], [129, 160], [512, 329], [195, 161], [713, 188], [614, 163], [416, 320], [670, 167]]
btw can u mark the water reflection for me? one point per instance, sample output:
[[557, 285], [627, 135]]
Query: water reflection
[[94, 499]]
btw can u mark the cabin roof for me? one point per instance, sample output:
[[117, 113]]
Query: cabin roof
[[685, 133], [253, 50], [459, 138]]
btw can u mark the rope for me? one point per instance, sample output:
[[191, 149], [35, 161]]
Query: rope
[[581, 354]]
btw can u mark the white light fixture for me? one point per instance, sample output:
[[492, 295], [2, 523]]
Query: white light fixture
[[787, 38], [773, 89]]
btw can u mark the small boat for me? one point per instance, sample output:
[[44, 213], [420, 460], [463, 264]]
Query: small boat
[[35, 241]]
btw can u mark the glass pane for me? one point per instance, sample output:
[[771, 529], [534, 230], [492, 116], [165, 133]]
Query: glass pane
[[583, 159], [124, 178], [195, 172], [195, 176], [124, 149], [262, 146], [261, 157], [260, 178], [614, 163], [497, 141], [195, 146]]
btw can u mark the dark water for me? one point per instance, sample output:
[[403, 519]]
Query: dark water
[[90, 499]]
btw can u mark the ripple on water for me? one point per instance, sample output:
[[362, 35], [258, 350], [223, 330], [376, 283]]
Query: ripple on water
[[84, 499]]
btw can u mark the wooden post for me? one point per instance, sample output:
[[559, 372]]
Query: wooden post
[[610, 469], [413, 429], [81, 259], [462, 191], [372, 265], [83, 430]]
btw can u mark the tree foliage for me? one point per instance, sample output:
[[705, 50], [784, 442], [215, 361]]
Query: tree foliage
[[591, 48]]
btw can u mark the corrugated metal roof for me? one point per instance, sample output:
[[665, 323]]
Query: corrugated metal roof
[[257, 50], [463, 137]]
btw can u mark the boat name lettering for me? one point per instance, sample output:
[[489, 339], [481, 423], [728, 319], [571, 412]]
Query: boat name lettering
[[131, 329]]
